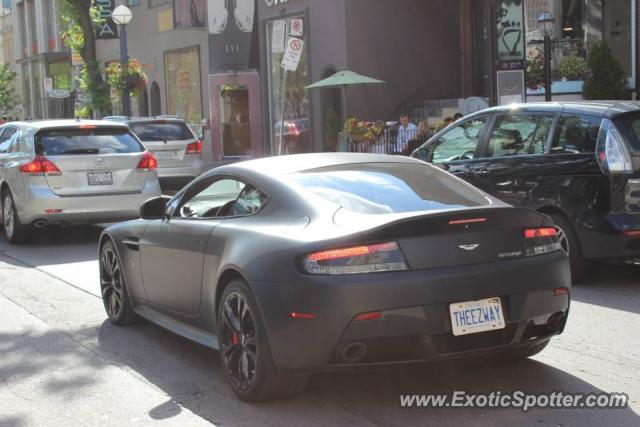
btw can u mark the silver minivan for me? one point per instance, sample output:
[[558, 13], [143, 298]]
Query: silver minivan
[[67, 172], [178, 150]]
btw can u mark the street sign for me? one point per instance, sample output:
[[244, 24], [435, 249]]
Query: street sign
[[58, 93], [47, 82], [293, 54], [279, 36], [297, 27]]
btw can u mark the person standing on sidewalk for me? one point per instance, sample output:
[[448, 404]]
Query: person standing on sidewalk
[[406, 133]]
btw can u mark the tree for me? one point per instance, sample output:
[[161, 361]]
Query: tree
[[607, 79], [81, 18], [8, 98]]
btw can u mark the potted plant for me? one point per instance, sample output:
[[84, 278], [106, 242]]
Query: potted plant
[[362, 131], [606, 78], [572, 67], [535, 72], [132, 79]]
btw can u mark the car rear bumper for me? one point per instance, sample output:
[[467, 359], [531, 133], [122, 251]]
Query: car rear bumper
[[82, 209], [416, 324], [607, 239], [192, 170]]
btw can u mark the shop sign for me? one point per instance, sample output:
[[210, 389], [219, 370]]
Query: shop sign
[[510, 30], [107, 29]]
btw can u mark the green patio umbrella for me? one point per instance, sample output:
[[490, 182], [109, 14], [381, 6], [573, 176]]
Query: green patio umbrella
[[343, 79]]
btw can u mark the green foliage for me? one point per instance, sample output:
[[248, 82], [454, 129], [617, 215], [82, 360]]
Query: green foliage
[[96, 90], [535, 72], [607, 79], [8, 98], [573, 67], [73, 36], [331, 130]]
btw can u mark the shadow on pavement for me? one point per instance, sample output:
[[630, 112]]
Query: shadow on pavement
[[192, 376], [611, 285]]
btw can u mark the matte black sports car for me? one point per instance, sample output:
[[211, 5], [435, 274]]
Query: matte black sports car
[[299, 264]]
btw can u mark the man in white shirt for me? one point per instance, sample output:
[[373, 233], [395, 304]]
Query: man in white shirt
[[406, 132]]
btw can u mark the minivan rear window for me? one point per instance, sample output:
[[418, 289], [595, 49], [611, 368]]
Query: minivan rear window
[[387, 188], [167, 131], [77, 141]]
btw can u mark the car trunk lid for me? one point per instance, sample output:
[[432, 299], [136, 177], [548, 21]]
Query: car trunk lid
[[92, 161]]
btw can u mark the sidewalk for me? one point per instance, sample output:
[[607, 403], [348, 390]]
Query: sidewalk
[[48, 379]]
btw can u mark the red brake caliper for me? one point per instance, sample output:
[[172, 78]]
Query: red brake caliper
[[235, 338]]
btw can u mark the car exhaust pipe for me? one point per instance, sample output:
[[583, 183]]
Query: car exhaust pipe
[[556, 321], [353, 352], [40, 223]]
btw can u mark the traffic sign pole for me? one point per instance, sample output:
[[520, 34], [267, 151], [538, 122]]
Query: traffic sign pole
[[284, 99]]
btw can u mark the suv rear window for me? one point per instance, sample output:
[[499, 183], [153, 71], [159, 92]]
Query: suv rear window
[[60, 142], [162, 131], [387, 188]]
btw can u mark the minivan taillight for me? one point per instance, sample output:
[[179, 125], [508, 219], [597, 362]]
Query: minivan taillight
[[195, 147], [357, 260], [148, 161], [40, 166], [611, 150], [540, 241]]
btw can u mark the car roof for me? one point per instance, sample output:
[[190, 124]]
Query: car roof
[[67, 123], [134, 120], [284, 165], [601, 108]]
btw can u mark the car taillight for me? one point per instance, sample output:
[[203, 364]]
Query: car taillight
[[148, 161], [195, 147], [40, 166], [357, 260], [539, 241], [611, 150]]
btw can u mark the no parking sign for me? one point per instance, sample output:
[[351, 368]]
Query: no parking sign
[[297, 27], [293, 54]]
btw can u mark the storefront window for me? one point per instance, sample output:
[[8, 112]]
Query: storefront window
[[61, 73], [234, 121], [578, 25], [295, 138], [182, 73]]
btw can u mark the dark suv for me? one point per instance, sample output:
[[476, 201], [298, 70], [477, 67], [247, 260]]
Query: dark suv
[[577, 162]]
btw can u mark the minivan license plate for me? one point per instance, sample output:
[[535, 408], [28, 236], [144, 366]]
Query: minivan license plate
[[100, 178], [476, 316]]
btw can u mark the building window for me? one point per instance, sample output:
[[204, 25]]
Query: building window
[[295, 136], [157, 3], [182, 75], [134, 3], [234, 121], [579, 24]]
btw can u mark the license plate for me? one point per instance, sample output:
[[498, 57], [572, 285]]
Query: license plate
[[166, 155], [476, 316], [100, 178]]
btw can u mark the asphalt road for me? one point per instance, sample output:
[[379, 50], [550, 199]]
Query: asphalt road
[[61, 363]]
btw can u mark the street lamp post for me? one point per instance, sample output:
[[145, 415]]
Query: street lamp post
[[122, 16], [547, 22]]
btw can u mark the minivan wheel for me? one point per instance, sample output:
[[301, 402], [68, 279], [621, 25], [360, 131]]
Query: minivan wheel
[[571, 246], [245, 352], [15, 232]]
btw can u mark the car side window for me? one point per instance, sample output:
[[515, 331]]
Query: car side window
[[576, 134], [459, 143], [210, 199], [519, 135], [6, 139], [250, 202]]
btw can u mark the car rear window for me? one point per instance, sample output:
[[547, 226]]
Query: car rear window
[[167, 131], [630, 127], [74, 141], [387, 188]]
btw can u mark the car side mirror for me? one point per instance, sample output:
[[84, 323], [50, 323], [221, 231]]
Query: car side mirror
[[154, 208], [420, 154]]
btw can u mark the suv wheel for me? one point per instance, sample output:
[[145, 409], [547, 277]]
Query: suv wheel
[[16, 232], [571, 246]]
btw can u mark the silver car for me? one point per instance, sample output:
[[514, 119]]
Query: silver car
[[178, 150], [68, 172]]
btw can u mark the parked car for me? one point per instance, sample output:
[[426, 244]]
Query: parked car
[[71, 172], [172, 141], [297, 264], [578, 162], [296, 137]]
